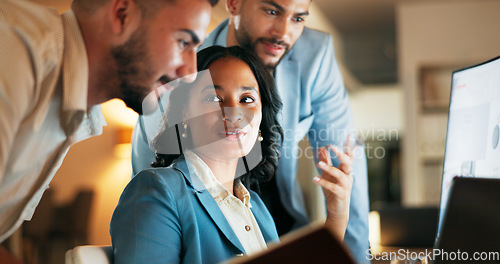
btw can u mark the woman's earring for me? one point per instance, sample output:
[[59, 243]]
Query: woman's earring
[[260, 138], [184, 133]]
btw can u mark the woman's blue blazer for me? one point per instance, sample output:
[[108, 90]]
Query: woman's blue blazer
[[165, 215]]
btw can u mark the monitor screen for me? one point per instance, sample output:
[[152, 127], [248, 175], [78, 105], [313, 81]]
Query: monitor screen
[[473, 137]]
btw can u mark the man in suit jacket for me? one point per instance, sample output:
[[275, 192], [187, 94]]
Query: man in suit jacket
[[315, 103]]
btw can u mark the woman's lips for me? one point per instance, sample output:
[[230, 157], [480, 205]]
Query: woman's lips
[[233, 134]]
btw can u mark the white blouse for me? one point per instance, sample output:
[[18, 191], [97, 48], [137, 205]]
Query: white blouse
[[236, 209]]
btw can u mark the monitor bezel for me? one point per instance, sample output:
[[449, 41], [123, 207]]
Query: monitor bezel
[[441, 215]]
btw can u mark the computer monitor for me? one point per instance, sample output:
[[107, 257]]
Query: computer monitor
[[470, 230], [473, 135]]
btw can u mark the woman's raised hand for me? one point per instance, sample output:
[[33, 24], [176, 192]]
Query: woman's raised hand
[[337, 185]]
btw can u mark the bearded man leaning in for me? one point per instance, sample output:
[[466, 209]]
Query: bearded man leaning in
[[315, 103], [55, 70]]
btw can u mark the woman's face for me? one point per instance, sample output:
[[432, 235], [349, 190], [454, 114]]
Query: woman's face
[[224, 118]]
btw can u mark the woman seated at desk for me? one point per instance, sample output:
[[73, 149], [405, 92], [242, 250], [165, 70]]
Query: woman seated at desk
[[198, 208]]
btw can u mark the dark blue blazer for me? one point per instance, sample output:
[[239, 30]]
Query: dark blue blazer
[[165, 215]]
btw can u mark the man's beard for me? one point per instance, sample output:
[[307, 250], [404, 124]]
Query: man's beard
[[245, 41], [133, 69]]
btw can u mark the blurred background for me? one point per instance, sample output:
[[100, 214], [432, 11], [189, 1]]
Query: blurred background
[[396, 58]]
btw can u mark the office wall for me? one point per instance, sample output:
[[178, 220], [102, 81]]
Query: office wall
[[441, 33], [98, 164], [378, 107]]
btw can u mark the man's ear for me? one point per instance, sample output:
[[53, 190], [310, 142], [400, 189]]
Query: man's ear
[[233, 7], [125, 18]]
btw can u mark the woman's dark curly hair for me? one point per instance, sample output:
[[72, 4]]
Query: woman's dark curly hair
[[271, 130]]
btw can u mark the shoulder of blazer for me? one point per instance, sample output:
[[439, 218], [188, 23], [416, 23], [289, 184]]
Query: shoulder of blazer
[[176, 174], [310, 42], [212, 37]]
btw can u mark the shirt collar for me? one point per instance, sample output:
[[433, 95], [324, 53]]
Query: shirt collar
[[222, 36], [75, 71], [214, 187], [242, 193]]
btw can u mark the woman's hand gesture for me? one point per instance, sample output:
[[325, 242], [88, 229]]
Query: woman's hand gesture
[[337, 185]]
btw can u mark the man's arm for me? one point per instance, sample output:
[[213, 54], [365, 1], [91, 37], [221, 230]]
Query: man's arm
[[17, 84], [332, 124]]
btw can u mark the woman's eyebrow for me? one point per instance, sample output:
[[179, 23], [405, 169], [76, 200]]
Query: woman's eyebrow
[[211, 87], [249, 88], [217, 87]]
